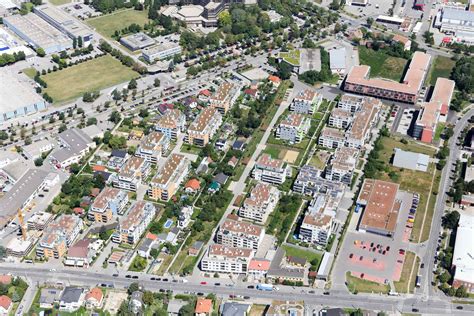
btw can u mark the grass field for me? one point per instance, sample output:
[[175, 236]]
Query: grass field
[[108, 24], [30, 72], [407, 285], [441, 67], [381, 64], [439, 130], [59, 2], [359, 285], [296, 252], [291, 57], [93, 75]]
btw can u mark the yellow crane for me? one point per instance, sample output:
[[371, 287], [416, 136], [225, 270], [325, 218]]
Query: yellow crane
[[22, 223]]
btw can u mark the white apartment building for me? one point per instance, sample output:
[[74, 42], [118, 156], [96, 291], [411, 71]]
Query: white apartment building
[[223, 259], [204, 127], [261, 202], [271, 170], [331, 138], [109, 203], [340, 118], [236, 233], [364, 120], [169, 177], [350, 102], [131, 174], [342, 165], [134, 223], [152, 147], [293, 128], [171, 123], [184, 217], [306, 102]]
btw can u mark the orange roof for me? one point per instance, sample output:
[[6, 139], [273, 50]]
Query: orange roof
[[205, 92], [203, 305], [151, 236], [95, 293], [5, 302], [5, 279], [274, 79], [193, 184], [98, 168], [259, 265]]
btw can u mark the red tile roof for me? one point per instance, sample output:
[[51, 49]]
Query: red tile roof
[[5, 302], [203, 305], [5, 279], [259, 265], [95, 293], [193, 184]]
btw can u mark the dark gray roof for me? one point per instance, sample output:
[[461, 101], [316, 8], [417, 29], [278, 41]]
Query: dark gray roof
[[238, 144], [221, 178], [296, 260], [118, 153], [234, 309], [49, 295], [71, 294], [198, 245], [145, 245], [454, 14], [75, 138], [276, 270]]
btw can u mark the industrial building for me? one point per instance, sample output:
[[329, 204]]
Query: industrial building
[[38, 33], [463, 263], [17, 98], [410, 160], [457, 22], [63, 22]]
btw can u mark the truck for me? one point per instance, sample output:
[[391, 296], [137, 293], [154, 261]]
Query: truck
[[264, 287]]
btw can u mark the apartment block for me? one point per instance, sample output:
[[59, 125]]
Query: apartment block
[[350, 102], [236, 233], [134, 223], [131, 174], [58, 236], [271, 170], [310, 182], [340, 118], [169, 177], [204, 127], [171, 123], [223, 259], [364, 121], [293, 128], [306, 102], [152, 147], [222, 99], [261, 202], [108, 204], [331, 138], [342, 165]]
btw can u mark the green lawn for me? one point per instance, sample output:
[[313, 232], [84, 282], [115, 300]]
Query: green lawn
[[381, 64], [108, 24], [405, 284], [273, 151], [439, 130], [291, 57], [93, 75], [441, 67], [30, 72], [360, 285], [308, 255], [59, 2]]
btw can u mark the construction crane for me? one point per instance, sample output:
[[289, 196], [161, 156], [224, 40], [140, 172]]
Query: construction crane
[[22, 223]]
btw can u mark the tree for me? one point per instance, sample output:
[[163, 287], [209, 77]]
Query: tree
[[74, 43], [284, 70], [62, 128], [445, 277], [335, 5], [156, 82], [40, 52], [148, 298], [154, 253], [370, 21], [115, 117], [91, 121], [133, 287], [463, 74], [79, 41], [187, 309], [132, 84], [461, 292], [450, 220], [38, 162]]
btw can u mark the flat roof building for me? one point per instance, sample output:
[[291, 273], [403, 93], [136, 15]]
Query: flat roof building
[[38, 33], [463, 260], [337, 61], [411, 160], [137, 41], [381, 207], [161, 51]]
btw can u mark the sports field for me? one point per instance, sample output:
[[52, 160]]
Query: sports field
[[93, 75], [109, 23]]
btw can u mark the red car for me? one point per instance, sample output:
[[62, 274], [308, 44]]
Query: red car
[[203, 283]]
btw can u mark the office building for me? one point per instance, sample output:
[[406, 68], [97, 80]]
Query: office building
[[161, 51], [73, 145], [137, 41]]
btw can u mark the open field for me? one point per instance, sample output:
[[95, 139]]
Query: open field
[[407, 285], [307, 254], [108, 24], [381, 64], [441, 67], [359, 285], [59, 2], [93, 75]]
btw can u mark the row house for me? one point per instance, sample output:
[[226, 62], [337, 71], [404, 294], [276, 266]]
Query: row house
[[293, 128], [134, 223], [152, 147], [236, 233], [58, 236], [271, 170], [342, 165], [222, 99], [224, 259], [171, 123], [261, 202], [204, 127], [108, 204], [306, 102], [134, 171], [169, 177], [331, 138]]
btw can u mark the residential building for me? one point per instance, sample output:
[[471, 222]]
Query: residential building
[[72, 299], [405, 41], [82, 253], [332, 138], [271, 170], [203, 307], [358, 81], [293, 128], [49, 297], [134, 223], [94, 298], [350, 102], [58, 236], [171, 123], [261, 202], [184, 217], [135, 304], [152, 147], [306, 102], [258, 268], [235, 309], [39, 221], [204, 127], [192, 186], [169, 177], [236, 233], [381, 207], [462, 257], [222, 99], [6, 305], [309, 182], [224, 259], [410, 160], [340, 118], [364, 120], [131, 174], [280, 272], [74, 144], [108, 204], [342, 165], [36, 149]]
